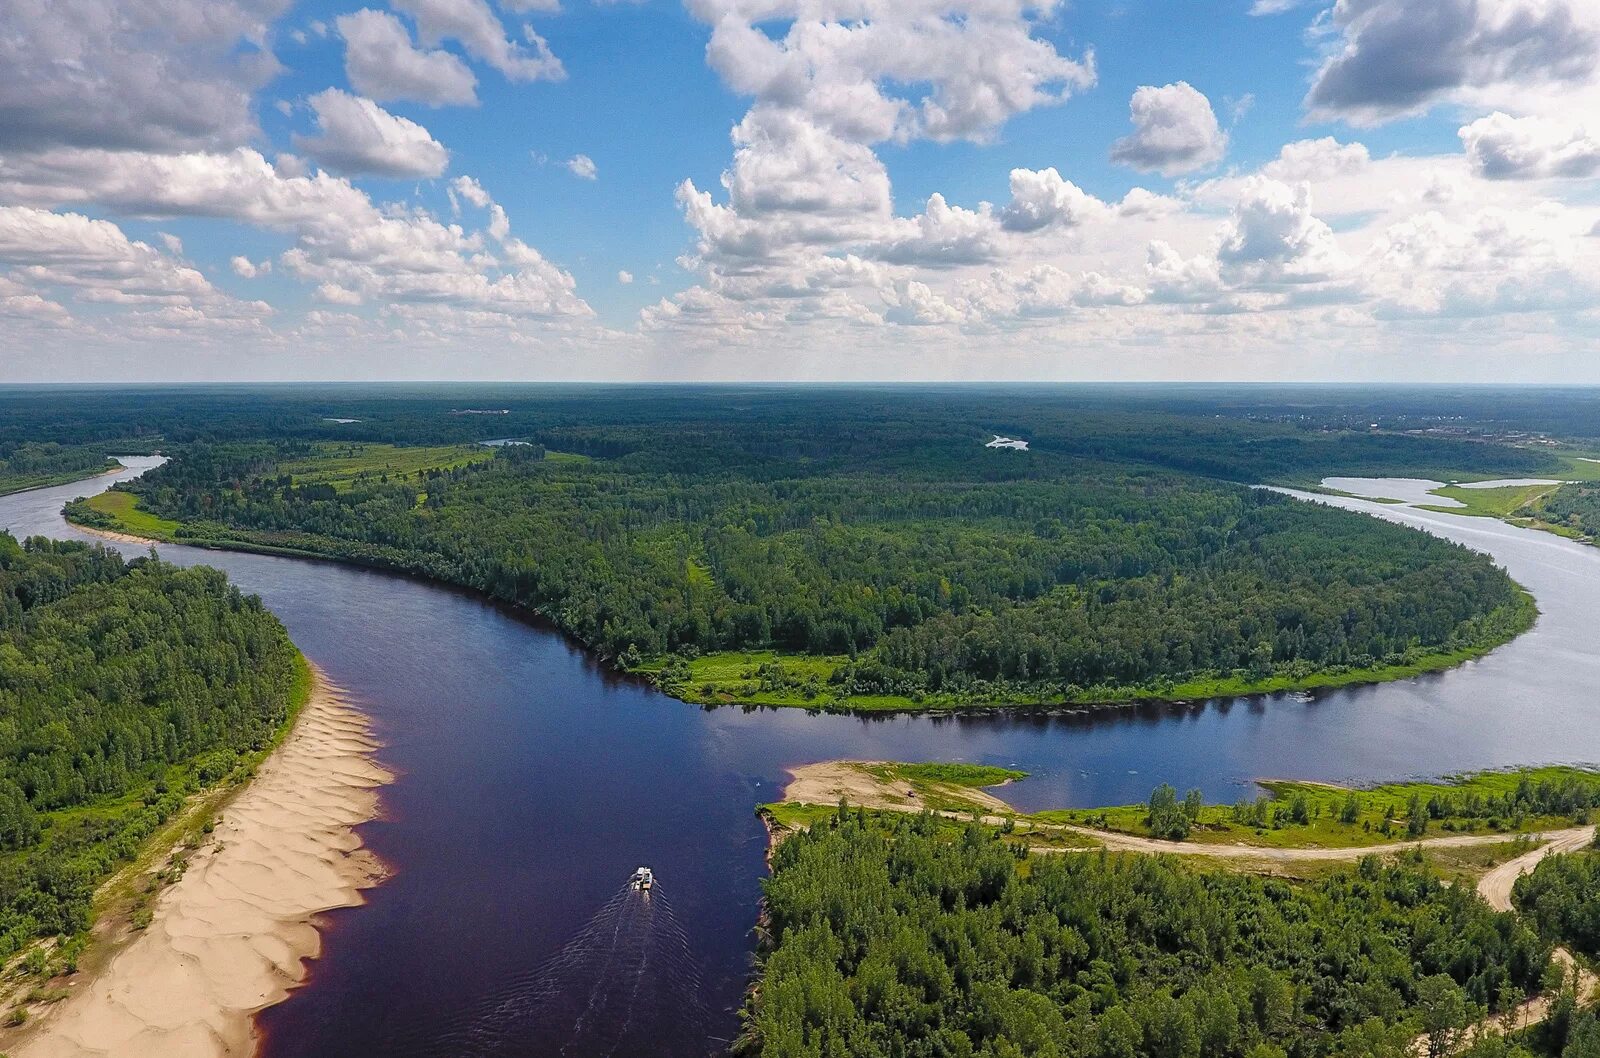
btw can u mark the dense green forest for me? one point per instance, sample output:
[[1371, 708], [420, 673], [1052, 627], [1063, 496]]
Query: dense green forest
[[30, 466], [124, 686], [924, 563], [896, 937], [1575, 506]]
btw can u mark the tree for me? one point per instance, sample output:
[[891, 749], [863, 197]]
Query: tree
[[1445, 1012], [1416, 817], [1167, 819]]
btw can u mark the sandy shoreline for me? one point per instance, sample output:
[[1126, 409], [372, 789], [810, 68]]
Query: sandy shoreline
[[232, 935]]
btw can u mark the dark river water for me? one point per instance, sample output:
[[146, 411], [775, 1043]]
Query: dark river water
[[531, 784]]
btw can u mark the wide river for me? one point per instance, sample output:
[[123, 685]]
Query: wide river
[[531, 783]]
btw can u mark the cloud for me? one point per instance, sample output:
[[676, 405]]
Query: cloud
[[1481, 263], [245, 268], [1175, 131], [1319, 159], [471, 190], [356, 136], [1396, 58], [475, 27], [387, 252], [94, 263], [381, 62], [851, 65], [1274, 7], [582, 166], [1501, 147], [178, 74], [1274, 237], [1043, 199], [625, 277]]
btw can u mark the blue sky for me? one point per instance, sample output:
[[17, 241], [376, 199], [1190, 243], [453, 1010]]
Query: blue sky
[[1373, 188]]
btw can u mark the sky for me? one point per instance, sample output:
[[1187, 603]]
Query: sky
[[1365, 190]]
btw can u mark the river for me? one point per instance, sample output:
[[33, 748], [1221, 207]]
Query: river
[[530, 783]]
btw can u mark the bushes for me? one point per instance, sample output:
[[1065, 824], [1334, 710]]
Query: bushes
[[1561, 897]]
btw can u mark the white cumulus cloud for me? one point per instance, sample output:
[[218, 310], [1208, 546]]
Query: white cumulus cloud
[[357, 136], [381, 62], [1502, 147], [1175, 131]]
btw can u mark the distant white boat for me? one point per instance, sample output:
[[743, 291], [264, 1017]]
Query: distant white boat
[[1007, 442], [644, 879]]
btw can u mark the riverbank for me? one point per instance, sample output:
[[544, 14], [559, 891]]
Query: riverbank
[[233, 935], [815, 791], [50, 481], [771, 679]]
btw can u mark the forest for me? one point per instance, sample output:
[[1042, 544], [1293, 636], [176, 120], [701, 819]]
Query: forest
[[925, 565], [124, 687], [891, 935], [29, 466], [1252, 434]]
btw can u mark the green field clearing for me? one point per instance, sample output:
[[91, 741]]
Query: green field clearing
[[344, 465], [124, 508], [1491, 503]]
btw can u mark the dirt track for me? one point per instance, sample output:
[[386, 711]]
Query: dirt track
[[826, 783]]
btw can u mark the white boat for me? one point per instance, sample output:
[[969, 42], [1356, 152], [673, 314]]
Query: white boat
[[644, 879]]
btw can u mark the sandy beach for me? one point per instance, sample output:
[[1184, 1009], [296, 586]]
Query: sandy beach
[[232, 935]]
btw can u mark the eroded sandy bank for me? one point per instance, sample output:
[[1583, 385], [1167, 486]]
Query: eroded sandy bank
[[231, 936]]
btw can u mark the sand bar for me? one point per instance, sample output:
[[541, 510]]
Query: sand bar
[[232, 935]]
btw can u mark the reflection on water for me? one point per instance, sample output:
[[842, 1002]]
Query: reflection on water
[[531, 781]]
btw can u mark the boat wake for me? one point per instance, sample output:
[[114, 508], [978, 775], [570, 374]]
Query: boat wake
[[627, 973]]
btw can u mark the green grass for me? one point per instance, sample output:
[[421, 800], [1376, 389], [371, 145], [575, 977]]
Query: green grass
[[1388, 802], [1580, 466], [974, 775], [566, 457], [342, 465], [130, 518], [944, 787], [1490, 503], [732, 676]]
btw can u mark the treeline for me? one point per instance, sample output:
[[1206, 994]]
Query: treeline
[[31, 465], [123, 687], [1248, 434], [893, 937], [955, 570]]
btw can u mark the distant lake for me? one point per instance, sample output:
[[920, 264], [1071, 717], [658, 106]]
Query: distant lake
[[531, 783]]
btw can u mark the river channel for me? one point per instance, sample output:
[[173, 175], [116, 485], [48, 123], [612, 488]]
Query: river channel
[[531, 782]]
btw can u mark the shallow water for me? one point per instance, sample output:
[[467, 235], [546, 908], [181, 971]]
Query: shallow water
[[531, 783]]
